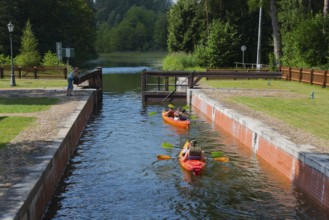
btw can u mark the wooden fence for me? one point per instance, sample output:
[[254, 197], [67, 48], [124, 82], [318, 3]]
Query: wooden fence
[[35, 72], [317, 77]]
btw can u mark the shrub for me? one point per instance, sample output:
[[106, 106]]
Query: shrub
[[178, 61]]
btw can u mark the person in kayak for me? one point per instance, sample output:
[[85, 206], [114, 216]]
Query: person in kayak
[[171, 112], [180, 114], [193, 152]]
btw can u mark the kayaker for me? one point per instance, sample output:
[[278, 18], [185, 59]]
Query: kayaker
[[193, 152], [171, 112], [177, 114], [183, 115]]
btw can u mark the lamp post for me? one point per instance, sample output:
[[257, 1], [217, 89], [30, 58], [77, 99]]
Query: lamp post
[[12, 76]]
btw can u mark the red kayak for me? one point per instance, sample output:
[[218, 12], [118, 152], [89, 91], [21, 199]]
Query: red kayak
[[193, 165], [172, 121]]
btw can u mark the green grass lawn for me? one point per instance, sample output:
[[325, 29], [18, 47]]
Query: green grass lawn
[[10, 127], [25, 105], [33, 83], [303, 112]]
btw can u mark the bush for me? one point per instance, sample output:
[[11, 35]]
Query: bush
[[50, 59], [28, 59], [5, 60], [178, 61]]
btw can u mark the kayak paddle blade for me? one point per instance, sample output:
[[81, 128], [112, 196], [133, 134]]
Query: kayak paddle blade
[[163, 157], [167, 145], [152, 113], [216, 154], [222, 159]]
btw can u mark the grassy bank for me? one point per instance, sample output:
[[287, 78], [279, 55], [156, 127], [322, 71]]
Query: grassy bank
[[298, 109], [34, 83], [11, 126]]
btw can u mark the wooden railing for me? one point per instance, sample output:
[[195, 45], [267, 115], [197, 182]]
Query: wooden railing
[[157, 84], [317, 77], [35, 72]]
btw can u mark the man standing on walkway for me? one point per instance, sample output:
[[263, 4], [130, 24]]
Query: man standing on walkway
[[70, 78]]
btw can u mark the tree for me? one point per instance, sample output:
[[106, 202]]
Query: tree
[[6, 7], [304, 46], [276, 32], [325, 7], [186, 26], [29, 54], [221, 46], [135, 31]]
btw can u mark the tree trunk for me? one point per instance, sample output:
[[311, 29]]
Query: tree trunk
[[325, 8], [276, 32]]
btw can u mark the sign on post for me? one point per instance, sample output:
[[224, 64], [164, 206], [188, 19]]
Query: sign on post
[[68, 52], [59, 51]]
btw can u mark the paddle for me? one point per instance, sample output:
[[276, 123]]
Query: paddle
[[152, 113], [167, 157], [216, 155], [168, 145]]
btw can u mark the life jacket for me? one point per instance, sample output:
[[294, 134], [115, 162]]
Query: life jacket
[[194, 158]]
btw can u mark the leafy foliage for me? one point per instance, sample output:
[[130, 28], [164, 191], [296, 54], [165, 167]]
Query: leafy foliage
[[307, 50], [50, 59], [186, 26], [131, 25], [178, 61], [29, 55], [220, 48], [4, 59], [70, 22]]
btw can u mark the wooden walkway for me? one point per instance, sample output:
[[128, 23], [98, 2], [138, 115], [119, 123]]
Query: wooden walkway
[[170, 85]]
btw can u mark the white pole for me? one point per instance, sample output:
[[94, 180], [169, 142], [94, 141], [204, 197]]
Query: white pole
[[259, 38]]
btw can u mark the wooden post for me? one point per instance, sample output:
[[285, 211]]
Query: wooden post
[[324, 84], [65, 72], [1, 72], [166, 83], [311, 76], [175, 82], [191, 80], [35, 69], [300, 74], [143, 81], [100, 77], [20, 72], [289, 74]]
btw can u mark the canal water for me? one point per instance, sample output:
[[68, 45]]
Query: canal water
[[114, 173]]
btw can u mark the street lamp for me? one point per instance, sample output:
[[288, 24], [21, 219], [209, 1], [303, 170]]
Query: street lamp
[[12, 76]]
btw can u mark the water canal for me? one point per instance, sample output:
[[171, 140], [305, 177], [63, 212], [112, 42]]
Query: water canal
[[114, 173]]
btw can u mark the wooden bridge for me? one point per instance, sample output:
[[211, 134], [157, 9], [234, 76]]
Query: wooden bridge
[[169, 85]]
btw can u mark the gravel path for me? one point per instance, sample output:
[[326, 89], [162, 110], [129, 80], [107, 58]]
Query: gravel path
[[18, 154]]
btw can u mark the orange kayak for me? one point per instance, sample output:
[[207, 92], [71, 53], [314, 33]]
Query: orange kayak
[[177, 123], [195, 166]]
